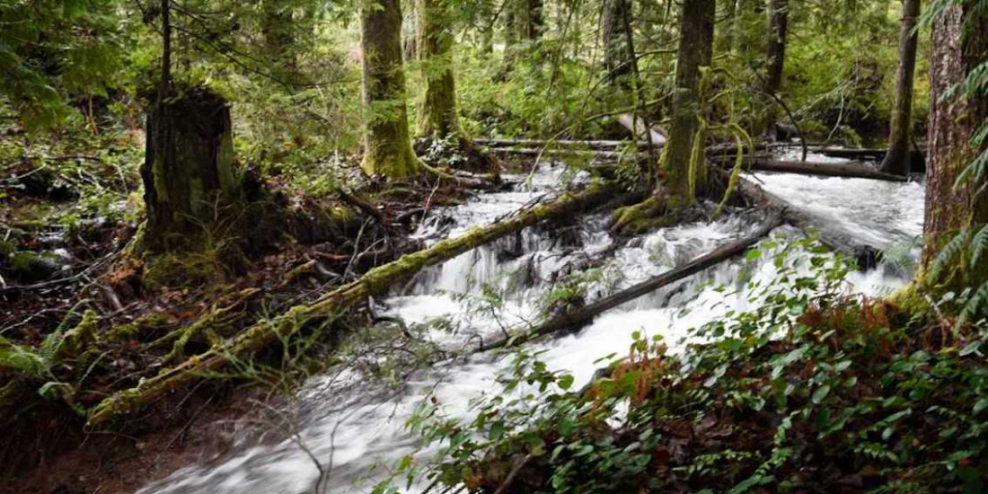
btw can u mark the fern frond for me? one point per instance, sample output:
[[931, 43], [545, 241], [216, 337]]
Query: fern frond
[[978, 245], [978, 299], [947, 254]]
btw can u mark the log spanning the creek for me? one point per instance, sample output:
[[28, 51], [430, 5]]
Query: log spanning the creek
[[374, 283], [560, 144], [585, 314], [845, 170]]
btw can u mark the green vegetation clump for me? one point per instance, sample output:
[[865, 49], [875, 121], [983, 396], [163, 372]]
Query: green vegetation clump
[[813, 389]]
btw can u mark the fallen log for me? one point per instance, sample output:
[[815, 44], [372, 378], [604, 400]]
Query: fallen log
[[845, 170], [828, 234], [585, 314], [586, 153], [637, 128], [374, 283], [579, 144], [870, 154]]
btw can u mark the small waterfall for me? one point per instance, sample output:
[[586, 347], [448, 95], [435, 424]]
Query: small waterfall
[[355, 427]]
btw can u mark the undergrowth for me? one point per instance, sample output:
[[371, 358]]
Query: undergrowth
[[813, 390]]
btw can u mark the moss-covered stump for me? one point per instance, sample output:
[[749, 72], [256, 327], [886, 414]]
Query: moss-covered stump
[[191, 178]]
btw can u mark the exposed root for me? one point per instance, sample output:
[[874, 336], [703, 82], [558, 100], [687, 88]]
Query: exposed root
[[658, 211]]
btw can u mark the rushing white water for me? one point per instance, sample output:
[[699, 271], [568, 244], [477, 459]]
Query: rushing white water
[[355, 430]]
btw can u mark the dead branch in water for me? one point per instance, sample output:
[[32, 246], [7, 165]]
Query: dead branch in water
[[585, 314]]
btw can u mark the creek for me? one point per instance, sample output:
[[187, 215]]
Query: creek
[[354, 428]]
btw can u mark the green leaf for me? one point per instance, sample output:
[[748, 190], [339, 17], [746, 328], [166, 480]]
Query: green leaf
[[565, 381], [980, 406], [970, 348], [820, 394]]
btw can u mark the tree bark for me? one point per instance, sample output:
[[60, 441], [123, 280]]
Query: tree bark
[[897, 158], [438, 117], [778, 28], [695, 51], [189, 172], [616, 51], [387, 145], [959, 45], [374, 283]]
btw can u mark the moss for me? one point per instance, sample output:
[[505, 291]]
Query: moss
[[21, 262], [204, 326], [6, 248], [142, 328], [78, 340], [657, 211], [120, 403], [178, 269]]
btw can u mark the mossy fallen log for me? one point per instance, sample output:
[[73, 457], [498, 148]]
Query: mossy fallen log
[[845, 170], [374, 283], [586, 313]]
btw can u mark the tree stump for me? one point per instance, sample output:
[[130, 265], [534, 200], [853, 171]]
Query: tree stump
[[191, 179]]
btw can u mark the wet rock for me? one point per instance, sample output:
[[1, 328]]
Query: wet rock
[[45, 183], [29, 266]]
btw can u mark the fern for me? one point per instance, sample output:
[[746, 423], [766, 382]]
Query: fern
[[973, 305], [978, 245], [947, 254]]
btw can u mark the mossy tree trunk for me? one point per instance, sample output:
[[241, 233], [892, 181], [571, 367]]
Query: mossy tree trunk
[[778, 29], [897, 158], [616, 53], [695, 51], [190, 173], [438, 117], [387, 144], [959, 46]]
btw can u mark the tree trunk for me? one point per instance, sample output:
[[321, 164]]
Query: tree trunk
[[374, 283], [959, 45], [279, 38], [616, 53], [897, 158], [532, 21], [778, 27], [387, 145], [189, 169], [438, 117], [695, 51]]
